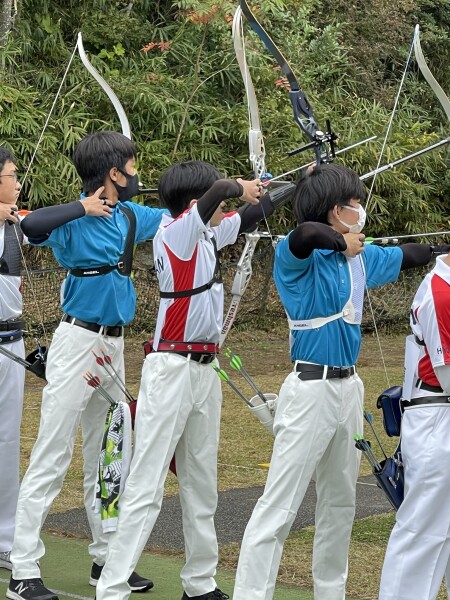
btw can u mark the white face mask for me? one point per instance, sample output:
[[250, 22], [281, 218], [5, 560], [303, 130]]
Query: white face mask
[[359, 225]]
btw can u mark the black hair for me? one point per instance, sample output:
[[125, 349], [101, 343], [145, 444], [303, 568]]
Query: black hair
[[98, 153], [185, 181], [325, 187], [5, 156]]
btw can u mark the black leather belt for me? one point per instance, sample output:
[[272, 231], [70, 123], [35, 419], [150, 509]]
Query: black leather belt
[[7, 339], [203, 359], [428, 388], [112, 330], [426, 400], [307, 371], [12, 325]]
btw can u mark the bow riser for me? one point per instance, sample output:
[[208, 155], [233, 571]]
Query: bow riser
[[241, 280]]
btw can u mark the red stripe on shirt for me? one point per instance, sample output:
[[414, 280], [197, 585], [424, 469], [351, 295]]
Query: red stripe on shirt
[[440, 292], [183, 273]]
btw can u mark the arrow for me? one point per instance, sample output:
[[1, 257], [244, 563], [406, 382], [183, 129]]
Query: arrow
[[224, 377], [113, 374], [236, 363], [94, 382], [369, 418], [394, 238]]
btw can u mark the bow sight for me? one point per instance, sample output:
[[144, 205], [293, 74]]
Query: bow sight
[[323, 143]]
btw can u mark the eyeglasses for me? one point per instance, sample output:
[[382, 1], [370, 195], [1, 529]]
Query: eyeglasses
[[15, 176]]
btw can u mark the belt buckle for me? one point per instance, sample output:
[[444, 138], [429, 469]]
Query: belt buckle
[[343, 371], [112, 330], [205, 359]]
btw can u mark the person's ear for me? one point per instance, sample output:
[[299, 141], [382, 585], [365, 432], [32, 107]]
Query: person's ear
[[113, 174], [192, 202], [333, 215]]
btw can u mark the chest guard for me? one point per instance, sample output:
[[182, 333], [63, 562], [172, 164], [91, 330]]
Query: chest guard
[[353, 308], [11, 259]]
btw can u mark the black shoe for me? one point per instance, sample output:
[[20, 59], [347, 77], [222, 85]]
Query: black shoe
[[214, 595], [29, 589], [136, 582]]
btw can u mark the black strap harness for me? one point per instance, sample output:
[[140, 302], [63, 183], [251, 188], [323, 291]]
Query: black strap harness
[[125, 263], [216, 278], [10, 261]]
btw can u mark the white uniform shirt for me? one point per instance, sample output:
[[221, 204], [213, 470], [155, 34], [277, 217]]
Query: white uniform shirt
[[185, 259], [430, 321]]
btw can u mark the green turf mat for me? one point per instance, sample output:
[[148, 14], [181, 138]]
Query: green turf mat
[[66, 568]]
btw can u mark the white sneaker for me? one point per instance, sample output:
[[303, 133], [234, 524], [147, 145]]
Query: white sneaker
[[5, 561]]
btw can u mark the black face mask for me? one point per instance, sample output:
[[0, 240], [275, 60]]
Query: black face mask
[[130, 190]]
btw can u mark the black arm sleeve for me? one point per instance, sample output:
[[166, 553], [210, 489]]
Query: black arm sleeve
[[315, 236], [217, 193], [38, 225], [416, 255], [251, 214]]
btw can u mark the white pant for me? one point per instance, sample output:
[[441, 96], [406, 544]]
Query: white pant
[[418, 553], [314, 427], [178, 411], [12, 376], [67, 400]]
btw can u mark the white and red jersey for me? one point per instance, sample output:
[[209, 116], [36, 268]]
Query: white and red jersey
[[185, 258], [430, 321]]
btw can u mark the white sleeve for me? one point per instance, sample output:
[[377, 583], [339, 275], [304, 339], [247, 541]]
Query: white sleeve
[[443, 374], [226, 233]]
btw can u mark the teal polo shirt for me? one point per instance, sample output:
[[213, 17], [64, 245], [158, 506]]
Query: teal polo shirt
[[319, 286], [93, 241]]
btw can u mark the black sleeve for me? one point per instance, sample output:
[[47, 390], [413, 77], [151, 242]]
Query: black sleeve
[[315, 236], [251, 214], [39, 224], [217, 193], [418, 255]]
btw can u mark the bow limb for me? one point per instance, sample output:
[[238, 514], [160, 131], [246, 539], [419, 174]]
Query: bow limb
[[441, 95], [255, 139], [438, 91], [300, 104], [106, 88]]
